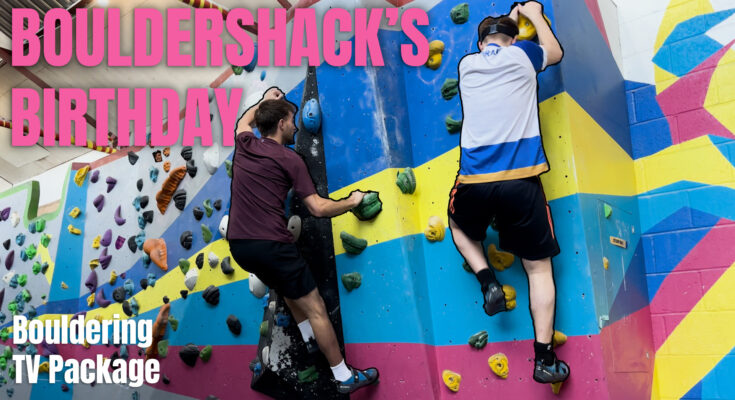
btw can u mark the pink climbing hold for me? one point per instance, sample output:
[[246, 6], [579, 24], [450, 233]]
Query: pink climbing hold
[[118, 218], [110, 183], [99, 202]]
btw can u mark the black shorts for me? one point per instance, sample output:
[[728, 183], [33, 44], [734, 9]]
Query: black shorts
[[517, 209], [279, 265]]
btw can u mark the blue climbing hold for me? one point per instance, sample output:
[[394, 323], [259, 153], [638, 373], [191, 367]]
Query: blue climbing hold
[[312, 116], [20, 239], [282, 319], [262, 75], [250, 67]]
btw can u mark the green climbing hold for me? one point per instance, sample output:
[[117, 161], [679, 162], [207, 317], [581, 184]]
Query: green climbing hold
[[237, 69], [308, 375], [22, 280], [228, 168], [3, 364], [460, 13], [206, 233], [453, 126], [173, 322], [406, 181], [206, 353], [208, 207], [184, 265], [40, 225], [5, 332], [11, 371], [263, 328], [450, 88], [478, 340], [7, 353], [351, 281], [31, 251], [352, 244], [25, 293], [606, 207], [36, 268], [163, 348], [369, 208], [13, 306], [45, 239]]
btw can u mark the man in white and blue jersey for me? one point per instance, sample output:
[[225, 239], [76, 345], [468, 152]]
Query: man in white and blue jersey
[[501, 158]]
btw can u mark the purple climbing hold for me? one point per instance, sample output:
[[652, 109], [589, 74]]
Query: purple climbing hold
[[119, 242], [101, 300], [104, 259], [106, 238], [9, 260], [5, 214], [2, 296], [132, 157], [99, 202], [91, 282], [110, 183], [118, 218], [95, 176], [48, 349]]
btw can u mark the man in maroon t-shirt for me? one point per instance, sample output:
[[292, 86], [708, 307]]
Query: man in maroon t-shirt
[[263, 171]]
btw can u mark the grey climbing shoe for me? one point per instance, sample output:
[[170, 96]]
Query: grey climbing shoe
[[311, 346], [359, 379], [554, 373], [494, 299]]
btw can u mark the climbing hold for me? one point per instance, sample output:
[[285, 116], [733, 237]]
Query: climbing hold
[[351, 281], [184, 293], [510, 297], [91, 282], [500, 260], [206, 353], [99, 202], [6, 244], [212, 259], [185, 239], [184, 265], [163, 197], [45, 240], [256, 286], [22, 279], [171, 320], [156, 249], [104, 259], [208, 207], [460, 13], [132, 157], [434, 61], [140, 239], [435, 231], [94, 263], [237, 69], [134, 307], [9, 259], [406, 181], [40, 225], [607, 210], [4, 214], [144, 284], [166, 166], [36, 268], [14, 219], [95, 176], [605, 263], [113, 277], [293, 226], [234, 325], [452, 125], [263, 328], [106, 238], [32, 227], [111, 182], [31, 251], [451, 380], [126, 308], [145, 218], [436, 46], [75, 212], [282, 320], [180, 199], [186, 153], [228, 167], [101, 300], [206, 233], [226, 218], [64, 285], [352, 244], [369, 207], [153, 174], [556, 387], [190, 280], [80, 175], [311, 116], [308, 375], [20, 239], [165, 379], [217, 204], [129, 286], [198, 213], [119, 294], [211, 295], [23, 255], [478, 340], [163, 348], [124, 352], [73, 230], [189, 354], [191, 168], [119, 220], [96, 242], [151, 280], [526, 30], [199, 260], [226, 267], [90, 300], [498, 363], [559, 338], [211, 159], [450, 88]]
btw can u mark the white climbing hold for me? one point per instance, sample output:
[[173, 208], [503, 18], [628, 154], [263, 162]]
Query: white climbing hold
[[10, 276], [272, 306], [191, 278], [257, 287], [212, 259], [223, 225], [264, 355], [211, 159], [294, 226], [14, 219]]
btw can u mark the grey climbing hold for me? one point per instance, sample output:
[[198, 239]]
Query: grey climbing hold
[[185, 239], [234, 325], [191, 168], [199, 261], [118, 294], [226, 267], [132, 157], [213, 260], [198, 213], [211, 294], [450, 88], [110, 183], [186, 153], [139, 184], [223, 225], [211, 159], [189, 354], [180, 199], [190, 280], [99, 202]]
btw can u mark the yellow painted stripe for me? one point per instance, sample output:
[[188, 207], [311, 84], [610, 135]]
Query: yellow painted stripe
[[698, 343], [46, 257]]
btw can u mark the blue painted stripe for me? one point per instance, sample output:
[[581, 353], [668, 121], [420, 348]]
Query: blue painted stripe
[[502, 157], [718, 383]]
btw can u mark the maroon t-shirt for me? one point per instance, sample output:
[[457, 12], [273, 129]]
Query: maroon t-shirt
[[263, 171]]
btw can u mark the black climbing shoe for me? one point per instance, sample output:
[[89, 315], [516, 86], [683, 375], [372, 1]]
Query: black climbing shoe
[[311, 346], [360, 378], [554, 373], [494, 299]]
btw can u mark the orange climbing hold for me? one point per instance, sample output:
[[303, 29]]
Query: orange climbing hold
[[163, 197], [500, 260], [156, 249], [159, 330]]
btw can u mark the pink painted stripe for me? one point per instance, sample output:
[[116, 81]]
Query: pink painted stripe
[[685, 285], [594, 8]]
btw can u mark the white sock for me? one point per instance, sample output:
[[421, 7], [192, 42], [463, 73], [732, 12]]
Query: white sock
[[306, 331], [341, 372]]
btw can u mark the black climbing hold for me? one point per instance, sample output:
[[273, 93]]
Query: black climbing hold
[[180, 199], [226, 267], [185, 239], [126, 308], [191, 168], [211, 295], [64, 387], [143, 283], [200, 260], [234, 324], [144, 201], [184, 293], [119, 295], [6, 244], [132, 157], [189, 354], [165, 380], [217, 204], [186, 153], [165, 300], [132, 245], [139, 184], [198, 213], [148, 216]]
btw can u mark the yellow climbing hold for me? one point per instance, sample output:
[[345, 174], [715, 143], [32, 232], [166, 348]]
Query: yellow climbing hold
[[113, 277], [435, 231], [73, 230], [451, 379], [526, 30], [556, 387], [500, 260], [85, 344], [605, 262], [96, 242], [498, 362], [510, 297], [64, 285], [436, 48], [75, 212], [434, 61], [80, 175], [43, 368], [90, 300], [94, 263], [559, 338]]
